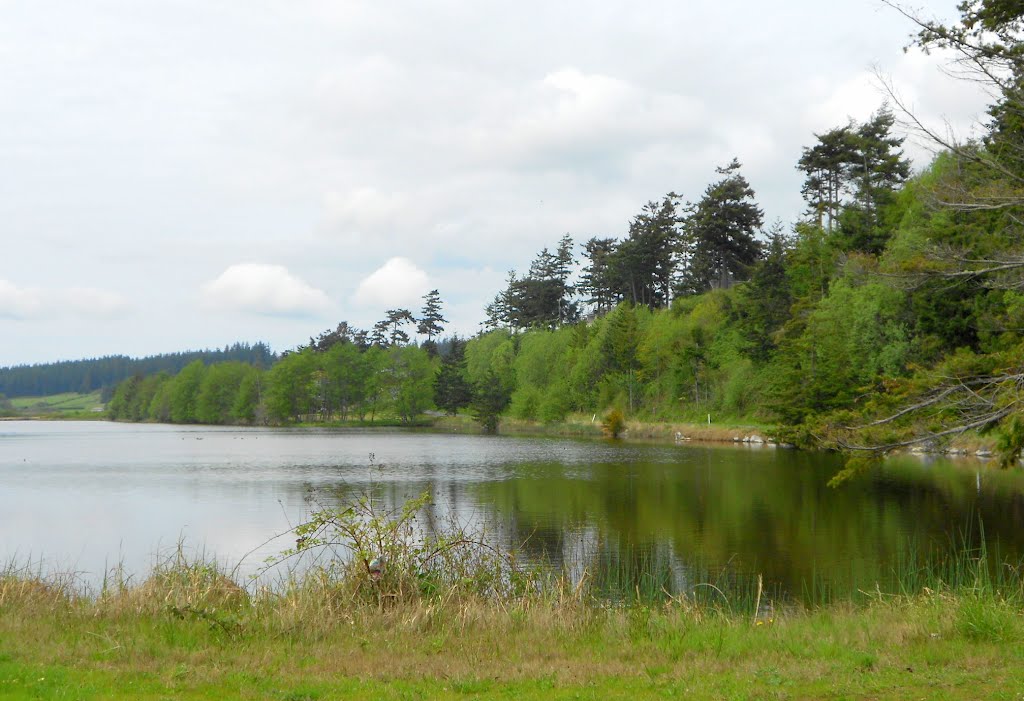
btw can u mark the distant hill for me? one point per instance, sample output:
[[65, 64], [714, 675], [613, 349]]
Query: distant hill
[[102, 373]]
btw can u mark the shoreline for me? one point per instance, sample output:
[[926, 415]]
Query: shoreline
[[193, 633], [970, 447]]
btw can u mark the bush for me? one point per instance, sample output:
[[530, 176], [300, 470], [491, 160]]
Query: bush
[[614, 423], [379, 555]]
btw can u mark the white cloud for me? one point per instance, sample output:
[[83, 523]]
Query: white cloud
[[570, 119], [397, 283], [263, 289], [27, 303]]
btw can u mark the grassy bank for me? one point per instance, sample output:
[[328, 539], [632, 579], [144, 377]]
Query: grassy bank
[[383, 613], [69, 405], [199, 636], [590, 426], [969, 444]]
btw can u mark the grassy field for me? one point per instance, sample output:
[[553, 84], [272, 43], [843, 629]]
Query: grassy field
[[68, 402]]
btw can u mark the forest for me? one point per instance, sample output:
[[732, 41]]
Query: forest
[[891, 314], [104, 373]]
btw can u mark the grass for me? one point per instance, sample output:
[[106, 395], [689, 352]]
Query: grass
[[462, 626], [188, 638], [591, 426], [68, 403]]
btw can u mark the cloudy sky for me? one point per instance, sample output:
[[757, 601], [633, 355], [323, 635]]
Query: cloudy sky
[[180, 174]]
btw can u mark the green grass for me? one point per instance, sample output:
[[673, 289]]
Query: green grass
[[951, 630], [141, 644], [57, 403]]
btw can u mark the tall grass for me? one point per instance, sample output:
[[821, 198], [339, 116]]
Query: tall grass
[[369, 562]]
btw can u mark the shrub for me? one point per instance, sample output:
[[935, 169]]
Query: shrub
[[614, 423]]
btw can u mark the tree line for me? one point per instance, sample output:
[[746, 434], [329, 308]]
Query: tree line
[[104, 373], [342, 374]]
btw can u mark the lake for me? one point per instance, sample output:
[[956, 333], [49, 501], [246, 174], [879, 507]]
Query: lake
[[86, 496]]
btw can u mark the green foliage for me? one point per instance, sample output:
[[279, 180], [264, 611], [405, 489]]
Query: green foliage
[[248, 404], [218, 392], [763, 303], [721, 234], [452, 390], [290, 384], [346, 373], [542, 298], [539, 365], [491, 395], [409, 378], [489, 352], [185, 393], [1011, 440], [855, 336], [431, 322]]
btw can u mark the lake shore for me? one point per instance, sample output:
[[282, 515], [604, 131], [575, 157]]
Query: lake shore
[[969, 446], [585, 426], [152, 643]]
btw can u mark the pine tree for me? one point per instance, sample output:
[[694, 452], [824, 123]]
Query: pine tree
[[431, 321], [763, 303], [853, 173], [597, 280], [396, 319], [721, 232], [826, 166], [452, 390], [642, 265]]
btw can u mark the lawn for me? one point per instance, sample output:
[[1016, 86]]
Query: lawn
[[58, 403]]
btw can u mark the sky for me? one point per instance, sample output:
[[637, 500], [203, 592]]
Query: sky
[[185, 174]]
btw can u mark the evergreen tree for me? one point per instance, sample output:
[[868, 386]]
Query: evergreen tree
[[431, 322], [720, 232], [378, 336], [490, 397], [826, 166], [763, 303], [452, 390], [397, 318], [877, 170], [499, 311], [642, 265], [343, 333], [853, 173], [597, 280], [542, 298]]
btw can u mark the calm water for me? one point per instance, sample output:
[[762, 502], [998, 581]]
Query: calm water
[[86, 496]]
